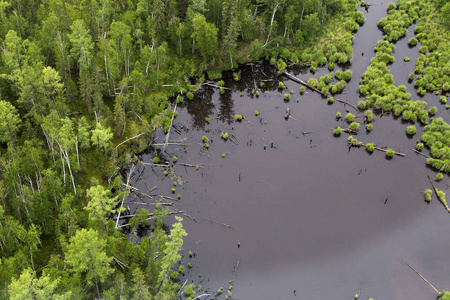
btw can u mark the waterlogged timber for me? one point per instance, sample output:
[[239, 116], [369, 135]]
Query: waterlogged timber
[[285, 209]]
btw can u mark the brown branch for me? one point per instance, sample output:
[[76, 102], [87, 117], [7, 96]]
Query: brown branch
[[437, 194], [216, 86], [396, 153], [418, 152], [420, 275], [235, 269]]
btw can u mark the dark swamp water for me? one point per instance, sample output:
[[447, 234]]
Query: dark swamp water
[[310, 214]]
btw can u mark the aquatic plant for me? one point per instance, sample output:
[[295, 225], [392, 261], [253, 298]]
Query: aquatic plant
[[200, 287], [287, 97], [354, 126], [179, 99], [273, 61], [220, 83], [337, 131], [312, 82], [178, 196], [205, 139], [261, 84], [235, 76], [370, 147], [411, 130], [412, 41], [390, 153], [256, 113], [174, 159], [208, 120], [439, 176], [419, 146], [338, 115], [156, 160], [224, 135], [238, 117], [432, 110], [330, 100], [369, 115], [190, 95], [189, 265], [302, 90], [257, 93], [174, 276], [281, 85], [166, 173], [173, 190], [174, 183], [189, 291], [427, 195], [349, 117], [406, 59], [369, 126], [221, 91], [443, 99], [223, 155]]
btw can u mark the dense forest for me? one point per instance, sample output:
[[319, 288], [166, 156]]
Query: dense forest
[[83, 85]]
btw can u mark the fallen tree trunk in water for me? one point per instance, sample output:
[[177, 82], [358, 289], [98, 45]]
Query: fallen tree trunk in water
[[317, 90]]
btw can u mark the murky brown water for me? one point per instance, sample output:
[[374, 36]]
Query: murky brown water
[[310, 213]]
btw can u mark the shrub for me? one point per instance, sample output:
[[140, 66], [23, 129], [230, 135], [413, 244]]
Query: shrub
[[443, 99], [419, 146], [411, 76], [189, 95], [220, 83], [256, 113], [174, 276], [369, 115], [432, 110], [221, 91], [439, 176], [224, 135], [189, 265], [273, 61], [302, 90], [369, 126], [261, 84], [235, 76], [331, 100], [411, 130], [257, 93], [312, 82]]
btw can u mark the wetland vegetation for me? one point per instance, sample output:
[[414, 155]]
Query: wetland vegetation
[[89, 88]]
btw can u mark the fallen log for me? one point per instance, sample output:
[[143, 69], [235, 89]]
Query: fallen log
[[317, 90], [439, 195]]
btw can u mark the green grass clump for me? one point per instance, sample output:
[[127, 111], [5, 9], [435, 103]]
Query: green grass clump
[[256, 113], [174, 276], [369, 126], [257, 93], [331, 100], [354, 126], [411, 130], [443, 99], [273, 61], [390, 153], [369, 115], [221, 91], [220, 83], [419, 146], [412, 41], [189, 291], [302, 90], [224, 135], [291, 91], [235, 76], [337, 131], [370, 147], [190, 95], [174, 183], [261, 84], [349, 117], [178, 196], [205, 139], [208, 120], [432, 110], [173, 190], [427, 194], [338, 115], [223, 155], [313, 82], [439, 176], [406, 59], [156, 160], [281, 85], [287, 97], [174, 159], [189, 265], [238, 117], [179, 99]]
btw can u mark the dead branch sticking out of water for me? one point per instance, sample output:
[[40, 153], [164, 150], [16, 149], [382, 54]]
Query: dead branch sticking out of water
[[395, 152], [438, 195], [421, 274], [235, 269], [190, 165], [127, 187], [237, 140], [151, 216], [317, 90], [216, 86], [134, 137], [154, 203], [202, 295], [223, 224], [166, 140], [418, 152]]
